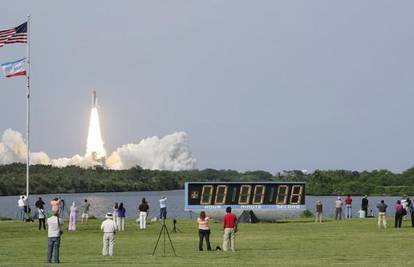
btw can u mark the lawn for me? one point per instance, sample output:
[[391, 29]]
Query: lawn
[[302, 242]]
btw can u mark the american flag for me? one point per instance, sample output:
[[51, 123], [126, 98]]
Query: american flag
[[14, 35]]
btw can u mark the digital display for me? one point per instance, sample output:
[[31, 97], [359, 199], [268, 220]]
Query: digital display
[[245, 193]]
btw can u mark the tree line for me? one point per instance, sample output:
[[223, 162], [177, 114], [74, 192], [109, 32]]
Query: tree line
[[48, 180]]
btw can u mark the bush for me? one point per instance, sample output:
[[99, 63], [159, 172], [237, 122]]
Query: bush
[[307, 213]]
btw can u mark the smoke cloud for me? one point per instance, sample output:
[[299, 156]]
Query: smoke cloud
[[167, 153]]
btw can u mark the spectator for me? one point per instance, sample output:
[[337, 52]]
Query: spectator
[[73, 215], [85, 211], [62, 207], [143, 212], [399, 213], [54, 224], [348, 207], [20, 206], [40, 204], [338, 209], [115, 213], [230, 229], [382, 216], [109, 228], [203, 231], [42, 218], [364, 205], [319, 211], [163, 207], [121, 217], [411, 209]]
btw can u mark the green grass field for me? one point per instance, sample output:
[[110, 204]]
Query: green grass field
[[302, 242]]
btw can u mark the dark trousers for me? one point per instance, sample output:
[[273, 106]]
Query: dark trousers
[[163, 213], [366, 211], [412, 219], [398, 220], [42, 221], [53, 245], [204, 234], [338, 213]]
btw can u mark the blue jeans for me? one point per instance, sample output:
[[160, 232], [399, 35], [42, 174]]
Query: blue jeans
[[21, 213], [53, 244], [163, 213], [348, 213]]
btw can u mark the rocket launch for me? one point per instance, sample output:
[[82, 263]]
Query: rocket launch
[[95, 145]]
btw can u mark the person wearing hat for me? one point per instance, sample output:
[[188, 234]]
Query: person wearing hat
[[338, 209], [318, 211], [109, 228]]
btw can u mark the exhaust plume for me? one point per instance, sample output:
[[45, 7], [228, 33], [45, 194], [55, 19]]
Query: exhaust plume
[[167, 153]]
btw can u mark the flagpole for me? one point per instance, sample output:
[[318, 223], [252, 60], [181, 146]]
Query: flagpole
[[28, 109]]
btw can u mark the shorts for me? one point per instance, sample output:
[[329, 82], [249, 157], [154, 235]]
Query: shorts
[[85, 215]]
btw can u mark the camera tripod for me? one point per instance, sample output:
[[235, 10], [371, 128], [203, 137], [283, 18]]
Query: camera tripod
[[175, 228], [164, 230]]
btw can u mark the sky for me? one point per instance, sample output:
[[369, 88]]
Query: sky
[[272, 85]]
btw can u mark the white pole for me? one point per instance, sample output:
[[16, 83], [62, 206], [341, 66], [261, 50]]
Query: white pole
[[28, 108]]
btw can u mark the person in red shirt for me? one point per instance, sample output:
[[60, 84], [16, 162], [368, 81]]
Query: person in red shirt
[[348, 207], [230, 229]]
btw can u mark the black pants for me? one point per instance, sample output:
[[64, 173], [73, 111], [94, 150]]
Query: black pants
[[204, 234], [42, 221], [398, 220], [366, 211], [412, 219]]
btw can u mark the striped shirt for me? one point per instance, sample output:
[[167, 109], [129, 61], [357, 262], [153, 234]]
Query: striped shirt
[[203, 224]]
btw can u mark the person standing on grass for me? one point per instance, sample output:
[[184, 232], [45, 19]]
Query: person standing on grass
[[230, 229], [109, 228], [399, 213], [319, 208], [73, 215], [348, 207], [203, 231], [411, 210], [364, 205], [42, 218], [143, 212], [54, 232], [20, 206], [338, 209], [382, 216], [163, 207], [115, 213], [85, 211], [121, 217]]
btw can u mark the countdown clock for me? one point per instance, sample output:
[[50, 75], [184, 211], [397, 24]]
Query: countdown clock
[[244, 195]]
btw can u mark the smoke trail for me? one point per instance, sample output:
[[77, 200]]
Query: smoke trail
[[167, 153]]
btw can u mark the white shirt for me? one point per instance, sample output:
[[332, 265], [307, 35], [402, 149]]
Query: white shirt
[[53, 226], [338, 203], [20, 202], [163, 202], [41, 213], [108, 226]]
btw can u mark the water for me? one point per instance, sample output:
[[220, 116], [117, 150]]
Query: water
[[103, 202]]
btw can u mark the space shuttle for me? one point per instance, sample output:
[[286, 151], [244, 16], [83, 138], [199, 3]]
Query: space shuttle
[[94, 100]]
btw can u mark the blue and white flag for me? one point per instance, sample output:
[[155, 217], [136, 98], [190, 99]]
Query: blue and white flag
[[15, 68]]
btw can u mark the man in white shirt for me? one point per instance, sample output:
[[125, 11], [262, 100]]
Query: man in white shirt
[[20, 205], [163, 207], [54, 231], [338, 209], [109, 228]]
